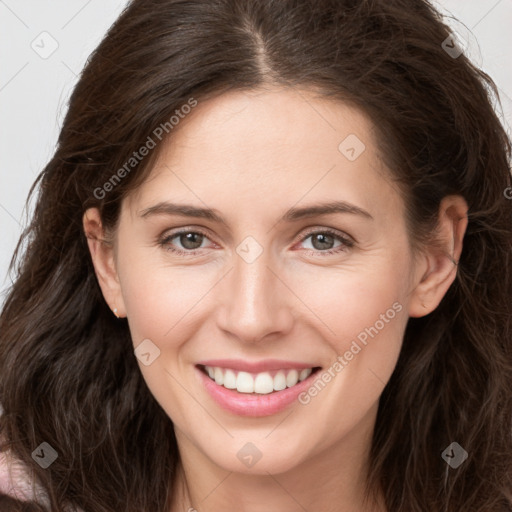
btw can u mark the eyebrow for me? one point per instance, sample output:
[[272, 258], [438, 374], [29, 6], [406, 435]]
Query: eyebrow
[[293, 214]]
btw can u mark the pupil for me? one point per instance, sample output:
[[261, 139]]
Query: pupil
[[324, 239], [188, 239], [320, 240]]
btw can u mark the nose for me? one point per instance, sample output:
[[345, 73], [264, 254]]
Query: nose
[[255, 302]]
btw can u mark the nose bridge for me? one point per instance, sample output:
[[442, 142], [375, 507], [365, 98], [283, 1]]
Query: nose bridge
[[254, 302]]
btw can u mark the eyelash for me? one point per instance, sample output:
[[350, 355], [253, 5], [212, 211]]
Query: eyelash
[[346, 242]]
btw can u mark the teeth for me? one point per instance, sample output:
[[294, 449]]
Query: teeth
[[219, 376], [304, 374], [244, 382], [292, 378], [262, 383], [279, 381], [229, 379]]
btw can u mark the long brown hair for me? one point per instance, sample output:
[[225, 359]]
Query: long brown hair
[[68, 375]]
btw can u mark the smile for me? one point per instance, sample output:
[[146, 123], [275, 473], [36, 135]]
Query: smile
[[260, 383], [256, 389]]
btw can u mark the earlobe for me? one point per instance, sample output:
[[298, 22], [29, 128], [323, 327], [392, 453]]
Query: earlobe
[[442, 257], [102, 255]]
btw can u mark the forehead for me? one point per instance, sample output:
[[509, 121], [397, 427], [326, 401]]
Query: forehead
[[259, 149]]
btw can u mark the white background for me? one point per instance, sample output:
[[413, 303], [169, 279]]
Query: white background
[[34, 91]]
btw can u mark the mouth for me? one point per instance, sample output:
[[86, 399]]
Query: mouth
[[255, 388], [257, 383]]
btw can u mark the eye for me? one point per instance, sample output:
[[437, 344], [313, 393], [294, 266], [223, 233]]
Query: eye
[[323, 240], [192, 241]]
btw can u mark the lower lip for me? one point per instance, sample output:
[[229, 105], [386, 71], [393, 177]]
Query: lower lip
[[246, 404]]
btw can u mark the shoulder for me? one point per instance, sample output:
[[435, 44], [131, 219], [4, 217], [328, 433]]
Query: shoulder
[[10, 504], [18, 491], [14, 480]]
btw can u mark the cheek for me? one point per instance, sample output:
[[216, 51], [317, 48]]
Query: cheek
[[362, 316], [159, 302], [159, 299], [366, 346], [366, 295]]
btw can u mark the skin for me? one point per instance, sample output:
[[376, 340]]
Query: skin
[[252, 156]]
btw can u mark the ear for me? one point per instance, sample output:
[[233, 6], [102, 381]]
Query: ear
[[439, 260], [103, 257]]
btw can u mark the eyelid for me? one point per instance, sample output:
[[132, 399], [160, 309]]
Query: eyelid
[[323, 229], [301, 236], [345, 238], [169, 234]]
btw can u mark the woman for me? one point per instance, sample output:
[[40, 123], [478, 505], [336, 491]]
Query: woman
[[268, 269]]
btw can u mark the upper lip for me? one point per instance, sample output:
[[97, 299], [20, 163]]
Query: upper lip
[[256, 366]]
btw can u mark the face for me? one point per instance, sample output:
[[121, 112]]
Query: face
[[258, 288]]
